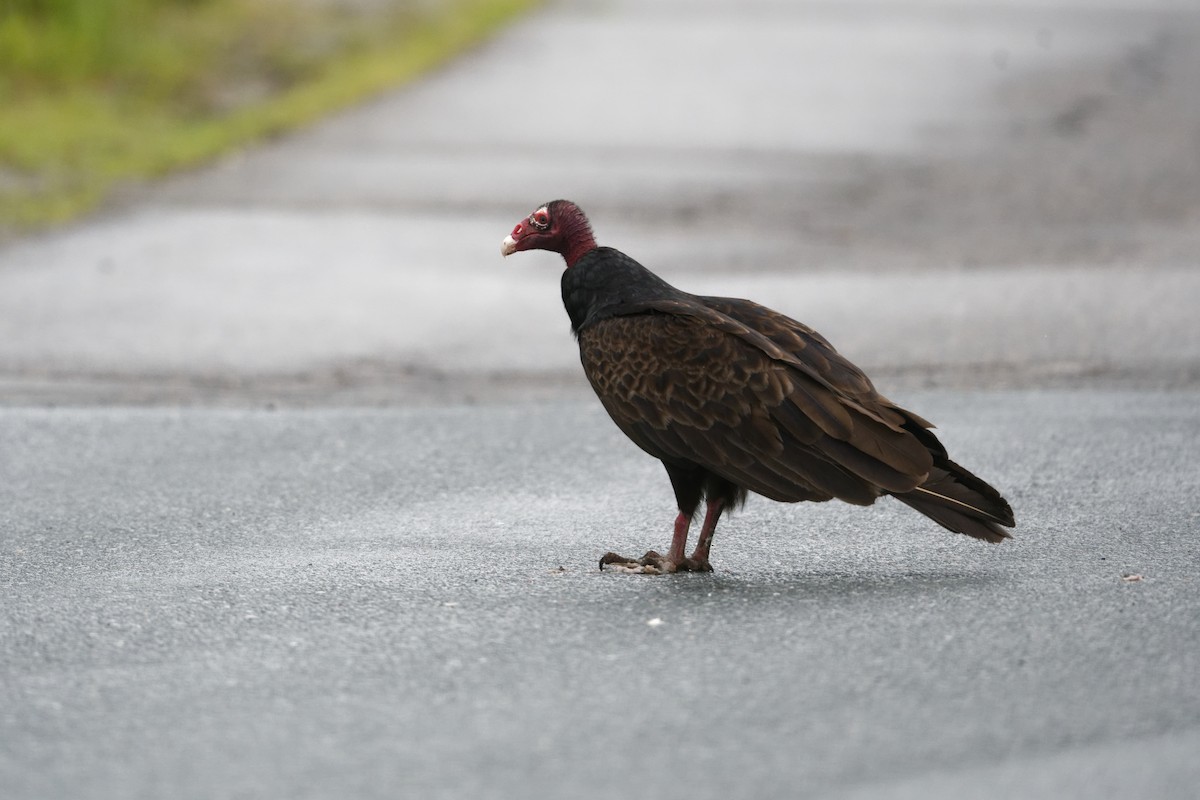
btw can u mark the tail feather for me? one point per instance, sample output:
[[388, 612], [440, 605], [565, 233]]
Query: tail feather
[[962, 502]]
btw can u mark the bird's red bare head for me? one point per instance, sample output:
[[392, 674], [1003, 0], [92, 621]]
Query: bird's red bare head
[[559, 226]]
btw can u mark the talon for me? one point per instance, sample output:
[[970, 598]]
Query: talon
[[613, 558]]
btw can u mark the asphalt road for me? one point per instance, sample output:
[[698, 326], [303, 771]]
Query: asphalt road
[[302, 494], [405, 603]]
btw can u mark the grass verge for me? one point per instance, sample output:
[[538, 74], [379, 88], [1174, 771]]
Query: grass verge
[[94, 93]]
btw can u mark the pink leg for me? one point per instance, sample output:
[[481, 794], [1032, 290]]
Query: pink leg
[[679, 541], [711, 515]]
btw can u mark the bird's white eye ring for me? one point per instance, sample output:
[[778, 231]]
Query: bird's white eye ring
[[540, 219]]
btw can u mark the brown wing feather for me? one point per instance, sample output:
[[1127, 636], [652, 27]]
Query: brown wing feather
[[704, 388], [950, 495], [825, 363]]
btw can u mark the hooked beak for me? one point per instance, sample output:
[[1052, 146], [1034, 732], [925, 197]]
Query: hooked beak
[[508, 246]]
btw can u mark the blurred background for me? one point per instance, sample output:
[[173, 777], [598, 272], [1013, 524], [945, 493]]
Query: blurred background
[[94, 93], [985, 193]]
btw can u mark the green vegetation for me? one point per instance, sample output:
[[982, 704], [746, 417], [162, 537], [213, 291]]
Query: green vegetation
[[96, 92]]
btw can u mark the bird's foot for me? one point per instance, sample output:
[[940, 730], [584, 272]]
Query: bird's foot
[[650, 564], [654, 564]]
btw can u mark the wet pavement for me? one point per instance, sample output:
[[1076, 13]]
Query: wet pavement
[[301, 490]]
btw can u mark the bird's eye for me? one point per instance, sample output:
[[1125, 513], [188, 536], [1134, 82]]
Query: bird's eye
[[540, 219]]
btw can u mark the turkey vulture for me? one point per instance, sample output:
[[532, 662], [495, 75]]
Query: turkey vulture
[[733, 397]]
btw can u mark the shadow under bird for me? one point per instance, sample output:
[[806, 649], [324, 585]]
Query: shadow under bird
[[733, 398]]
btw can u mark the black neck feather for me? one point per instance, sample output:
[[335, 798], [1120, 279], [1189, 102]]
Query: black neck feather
[[606, 283]]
